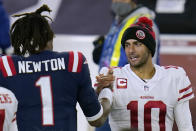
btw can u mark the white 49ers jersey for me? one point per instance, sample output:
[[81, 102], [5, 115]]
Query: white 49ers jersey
[[148, 106], [8, 108]]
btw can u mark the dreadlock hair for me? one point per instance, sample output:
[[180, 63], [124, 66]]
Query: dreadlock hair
[[30, 33]]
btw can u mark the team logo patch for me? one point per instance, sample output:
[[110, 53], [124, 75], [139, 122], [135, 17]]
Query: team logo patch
[[140, 34], [121, 83]]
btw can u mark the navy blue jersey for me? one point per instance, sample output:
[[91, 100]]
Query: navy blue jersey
[[48, 86]]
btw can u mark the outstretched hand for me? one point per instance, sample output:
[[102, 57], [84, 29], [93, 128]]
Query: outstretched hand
[[105, 81]]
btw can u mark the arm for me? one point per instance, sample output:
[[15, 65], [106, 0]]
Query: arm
[[106, 110], [104, 90], [96, 112], [181, 110], [183, 116]]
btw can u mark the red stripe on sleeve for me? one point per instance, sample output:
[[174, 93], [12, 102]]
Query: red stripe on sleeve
[[3, 68], [14, 119], [11, 64], [184, 96], [80, 60], [185, 89], [71, 60]]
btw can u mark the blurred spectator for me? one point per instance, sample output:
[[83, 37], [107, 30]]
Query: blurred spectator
[[108, 51], [5, 46]]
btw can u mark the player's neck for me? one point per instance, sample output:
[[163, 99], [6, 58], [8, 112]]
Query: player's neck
[[49, 45], [146, 71]]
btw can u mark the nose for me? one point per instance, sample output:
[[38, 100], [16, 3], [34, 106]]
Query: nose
[[131, 48]]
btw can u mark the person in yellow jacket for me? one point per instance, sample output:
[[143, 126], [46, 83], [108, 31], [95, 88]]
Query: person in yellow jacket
[[108, 51]]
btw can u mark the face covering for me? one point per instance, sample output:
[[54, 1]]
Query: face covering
[[121, 8]]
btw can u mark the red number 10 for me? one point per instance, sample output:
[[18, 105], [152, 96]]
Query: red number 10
[[133, 106]]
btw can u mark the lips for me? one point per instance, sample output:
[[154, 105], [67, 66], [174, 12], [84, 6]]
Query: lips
[[133, 58]]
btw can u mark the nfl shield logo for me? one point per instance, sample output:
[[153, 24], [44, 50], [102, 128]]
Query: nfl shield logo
[[146, 88]]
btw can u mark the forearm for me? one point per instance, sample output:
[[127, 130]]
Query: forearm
[[106, 110], [183, 117], [105, 99]]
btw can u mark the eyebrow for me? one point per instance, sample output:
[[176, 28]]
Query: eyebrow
[[134, 42]]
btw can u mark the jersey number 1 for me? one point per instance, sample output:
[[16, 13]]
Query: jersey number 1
[[44, 83], [133, 106]]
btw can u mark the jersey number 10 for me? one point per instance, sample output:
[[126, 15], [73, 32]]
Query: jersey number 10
[[133, 106]]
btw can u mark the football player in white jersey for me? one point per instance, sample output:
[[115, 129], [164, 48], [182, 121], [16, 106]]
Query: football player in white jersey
[[144, 95], [8, 108]]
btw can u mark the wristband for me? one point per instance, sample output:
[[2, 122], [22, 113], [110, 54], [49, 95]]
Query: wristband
[[106, 93]]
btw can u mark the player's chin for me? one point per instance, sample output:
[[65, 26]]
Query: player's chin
[[135, 63]]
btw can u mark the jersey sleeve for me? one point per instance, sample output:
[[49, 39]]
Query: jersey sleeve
[[14, 107], [11, 109], [13, 124], [185, 91], [183, 121], [87, 97]]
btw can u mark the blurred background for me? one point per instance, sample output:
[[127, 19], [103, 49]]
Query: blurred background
[[78, 22], [92, 17]]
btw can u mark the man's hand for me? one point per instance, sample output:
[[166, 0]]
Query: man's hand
[[105, 81]]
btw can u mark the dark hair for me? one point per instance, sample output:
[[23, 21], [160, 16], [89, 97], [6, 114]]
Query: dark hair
[[30, 34]]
